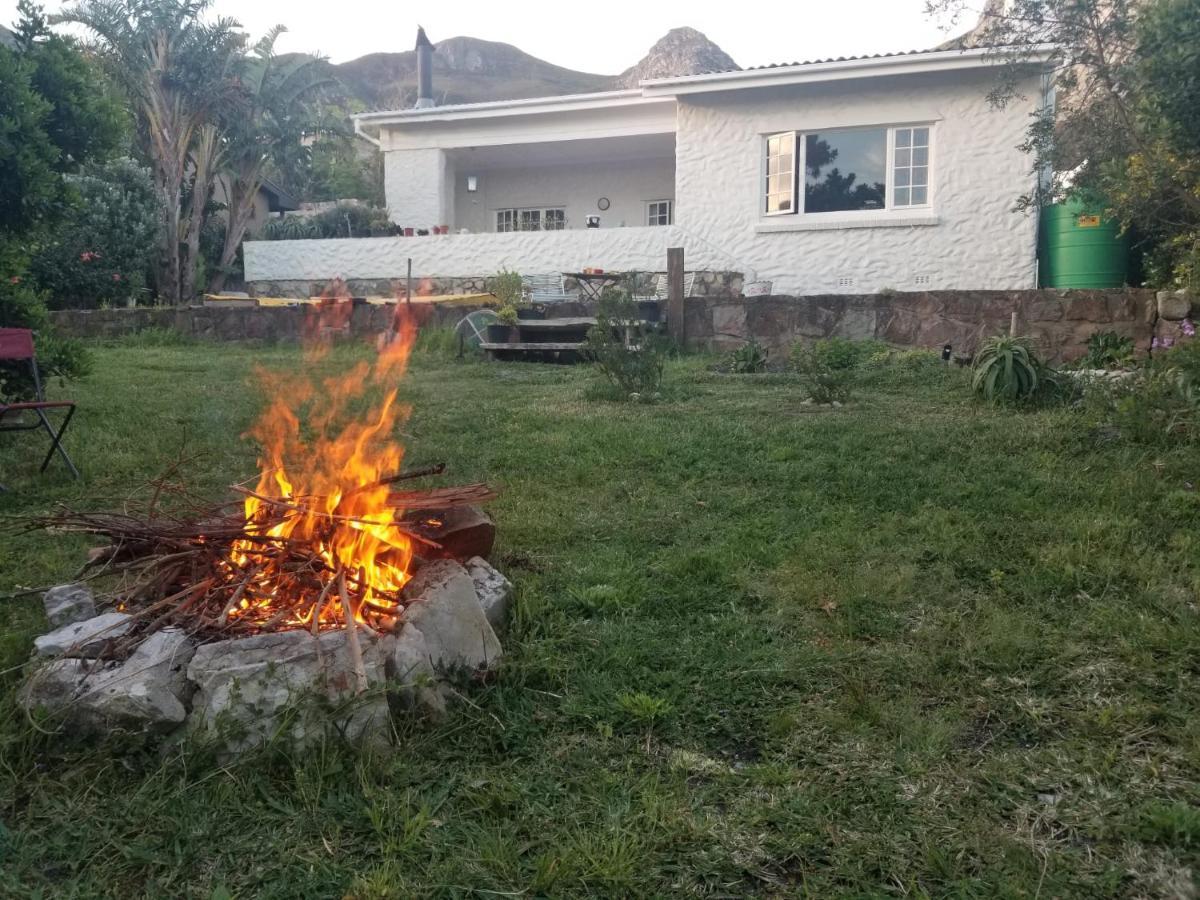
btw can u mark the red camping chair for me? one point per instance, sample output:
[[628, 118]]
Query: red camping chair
[[16, 344]]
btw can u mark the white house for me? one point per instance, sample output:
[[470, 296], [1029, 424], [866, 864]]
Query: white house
[[839, 176]]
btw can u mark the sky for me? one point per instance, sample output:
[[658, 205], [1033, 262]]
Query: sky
[[603, 37]]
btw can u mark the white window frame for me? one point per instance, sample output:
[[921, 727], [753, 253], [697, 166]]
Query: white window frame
[[889, 209], [764, 176], [652, 217], [516, 215]]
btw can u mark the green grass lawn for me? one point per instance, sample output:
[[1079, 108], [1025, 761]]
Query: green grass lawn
[[912, 646]]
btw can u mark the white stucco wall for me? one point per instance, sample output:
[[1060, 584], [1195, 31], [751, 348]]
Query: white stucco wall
[[470, 255], [628, 185], [418, 187], [977, 174]]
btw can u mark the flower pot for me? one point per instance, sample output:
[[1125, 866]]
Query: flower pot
[[593, 221], [499, 333], [649, 310], [408, 232], [757, 289], [531, 312]]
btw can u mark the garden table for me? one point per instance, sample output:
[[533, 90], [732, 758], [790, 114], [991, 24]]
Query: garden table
[[592, 284]]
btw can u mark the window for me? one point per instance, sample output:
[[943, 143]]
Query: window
[[659, 212], [845, 170], [848, 170], [910, 167], [532, 219], [781, 173]]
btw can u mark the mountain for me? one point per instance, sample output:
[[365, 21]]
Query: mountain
[[470, 70], [682, 51]]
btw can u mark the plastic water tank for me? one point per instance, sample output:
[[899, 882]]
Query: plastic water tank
[[1081, 248]]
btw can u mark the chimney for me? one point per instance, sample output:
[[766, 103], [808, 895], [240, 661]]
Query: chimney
[[424, 70]]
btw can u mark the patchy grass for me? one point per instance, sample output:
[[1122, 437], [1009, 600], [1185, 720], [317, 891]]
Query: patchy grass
[[909, 646]]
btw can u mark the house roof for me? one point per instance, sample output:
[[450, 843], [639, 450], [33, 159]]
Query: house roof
[[278, 199], [846, 67], [661, 89]]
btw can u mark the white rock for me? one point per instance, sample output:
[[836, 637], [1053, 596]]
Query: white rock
[[54, 686], [411, 672], [292, 684], [83, 639], [148, 692], [493, 590], [447, 612], [69, 603]]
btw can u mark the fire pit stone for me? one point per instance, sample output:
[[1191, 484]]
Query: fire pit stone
[[494, 591], [83, 639], [69, 603], [447, 610]]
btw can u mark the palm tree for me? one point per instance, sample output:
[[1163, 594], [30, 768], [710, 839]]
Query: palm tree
[[179, 72], [277, 108]]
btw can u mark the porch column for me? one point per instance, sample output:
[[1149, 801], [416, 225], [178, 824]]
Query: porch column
[[419, 187]]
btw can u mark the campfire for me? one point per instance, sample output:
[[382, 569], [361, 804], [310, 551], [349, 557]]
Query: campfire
[[327, 540]]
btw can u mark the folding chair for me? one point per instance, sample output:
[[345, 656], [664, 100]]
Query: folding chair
[[16, 345]]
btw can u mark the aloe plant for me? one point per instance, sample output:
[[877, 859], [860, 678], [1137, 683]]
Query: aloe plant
[[1006, 370]]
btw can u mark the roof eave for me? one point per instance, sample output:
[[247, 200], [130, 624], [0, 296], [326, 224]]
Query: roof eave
[[842, 69], [503, 108]]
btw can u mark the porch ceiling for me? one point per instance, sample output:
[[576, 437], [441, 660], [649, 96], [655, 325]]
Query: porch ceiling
[[548, 153]]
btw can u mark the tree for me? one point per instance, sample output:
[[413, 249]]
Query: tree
[[277, 107], [100, 253], [179, 71]]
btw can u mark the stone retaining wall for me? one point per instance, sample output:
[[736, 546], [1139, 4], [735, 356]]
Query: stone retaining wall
[[705, 284], [1059, 321]]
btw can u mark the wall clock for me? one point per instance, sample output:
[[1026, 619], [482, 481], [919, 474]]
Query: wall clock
[[602, 204]]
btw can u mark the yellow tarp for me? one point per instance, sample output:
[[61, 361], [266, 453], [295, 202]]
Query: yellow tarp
[[449, 299]]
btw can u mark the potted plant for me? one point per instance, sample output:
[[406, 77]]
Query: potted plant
[[502, 331]]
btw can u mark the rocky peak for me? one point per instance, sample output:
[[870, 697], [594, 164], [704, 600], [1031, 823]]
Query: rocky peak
[[682, 51]]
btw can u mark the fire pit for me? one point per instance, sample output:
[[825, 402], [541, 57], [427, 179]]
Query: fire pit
[[327, 591]]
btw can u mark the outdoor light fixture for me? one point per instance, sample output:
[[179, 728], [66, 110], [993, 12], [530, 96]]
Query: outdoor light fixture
[[946, 351], [472, 183]]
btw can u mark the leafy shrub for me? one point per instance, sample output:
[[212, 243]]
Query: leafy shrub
[[636, 371], [22, 307], [507, 288], [822, 383], [100, 251], [1183, 357], [1107, 350], [346, 220], [1162, 407], [1007, 371], [839, 353], [749, 359]]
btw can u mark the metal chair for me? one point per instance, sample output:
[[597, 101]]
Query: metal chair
[[16, 345]]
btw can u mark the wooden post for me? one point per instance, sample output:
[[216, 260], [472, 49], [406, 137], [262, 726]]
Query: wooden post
[[1012, 325], [675, 295], [408, 289]]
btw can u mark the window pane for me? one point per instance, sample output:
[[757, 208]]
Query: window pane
[[920, 195], [902, 176], [903, 157], [920, 137], [900, 197], [845, 170], [920, 175], [920, 156], [903, 137]]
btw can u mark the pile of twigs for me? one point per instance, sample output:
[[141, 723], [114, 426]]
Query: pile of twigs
[[180, 569]]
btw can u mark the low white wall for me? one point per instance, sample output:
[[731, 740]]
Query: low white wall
[[469, 255]]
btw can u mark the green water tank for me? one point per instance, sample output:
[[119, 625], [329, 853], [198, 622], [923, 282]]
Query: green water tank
[[1080, 248]]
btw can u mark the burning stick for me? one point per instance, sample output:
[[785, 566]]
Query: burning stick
[[360, 671]]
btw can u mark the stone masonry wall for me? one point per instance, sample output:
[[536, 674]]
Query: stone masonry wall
[[706, 284], [1060, 322]]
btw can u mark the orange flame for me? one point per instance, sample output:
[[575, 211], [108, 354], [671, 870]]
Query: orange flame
[[320, 469]]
